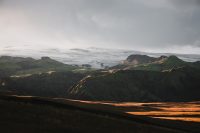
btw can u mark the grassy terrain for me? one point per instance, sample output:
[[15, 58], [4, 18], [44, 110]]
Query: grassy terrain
[[53, 81], [184, 111], [22, 66], [170, 63], [53, 84], [49, 78], [33, 114], [163, 63], [137, 85]]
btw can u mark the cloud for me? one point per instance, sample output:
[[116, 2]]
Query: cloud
[[197, 43], [135, 24], [185, 3]]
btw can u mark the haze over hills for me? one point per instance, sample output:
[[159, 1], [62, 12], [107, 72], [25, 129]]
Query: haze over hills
[[96, 57]]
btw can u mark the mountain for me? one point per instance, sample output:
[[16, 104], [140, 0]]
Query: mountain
[[20, 66], [180, 84], [92, 55], [136, 60], [144, 62], [151, 79], [53, 81], [165, 64], [139, 59], [43, 77]]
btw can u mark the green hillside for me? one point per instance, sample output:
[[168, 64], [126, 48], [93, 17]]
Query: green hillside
[[180, 84], [20, 66], [147, 63], [46, 84], [166, 79]]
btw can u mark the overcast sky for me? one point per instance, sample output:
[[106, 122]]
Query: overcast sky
[[145, 25]]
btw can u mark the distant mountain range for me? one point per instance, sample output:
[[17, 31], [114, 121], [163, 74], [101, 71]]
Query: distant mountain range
[[138, 78], [96, 57]]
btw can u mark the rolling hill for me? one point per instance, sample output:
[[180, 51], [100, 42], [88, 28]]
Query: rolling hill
[[22, 66], [48, 84]]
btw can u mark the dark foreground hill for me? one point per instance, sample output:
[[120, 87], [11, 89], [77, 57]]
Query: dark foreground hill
[[32, 114], [181, 84]]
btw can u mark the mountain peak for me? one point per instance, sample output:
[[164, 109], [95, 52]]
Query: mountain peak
[[173, 57], [45, 58], [139, 59], [173, 60]]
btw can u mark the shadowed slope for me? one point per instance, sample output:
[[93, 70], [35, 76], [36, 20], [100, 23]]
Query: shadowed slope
[[180, 84]]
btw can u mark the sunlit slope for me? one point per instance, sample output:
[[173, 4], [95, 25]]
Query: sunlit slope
[[33, 114], [181, 111]]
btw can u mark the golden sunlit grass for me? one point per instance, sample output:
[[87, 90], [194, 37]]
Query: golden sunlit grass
[[184, 111], [171, 111], [165, 113], [181, 118]]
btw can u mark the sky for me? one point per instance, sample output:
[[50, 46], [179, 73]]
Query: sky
[[144, 25]]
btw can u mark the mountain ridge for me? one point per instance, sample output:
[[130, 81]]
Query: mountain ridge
[[144, 62], [152, 80]]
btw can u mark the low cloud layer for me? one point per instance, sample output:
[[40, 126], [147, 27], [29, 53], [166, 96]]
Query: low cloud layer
[[156, 25]]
